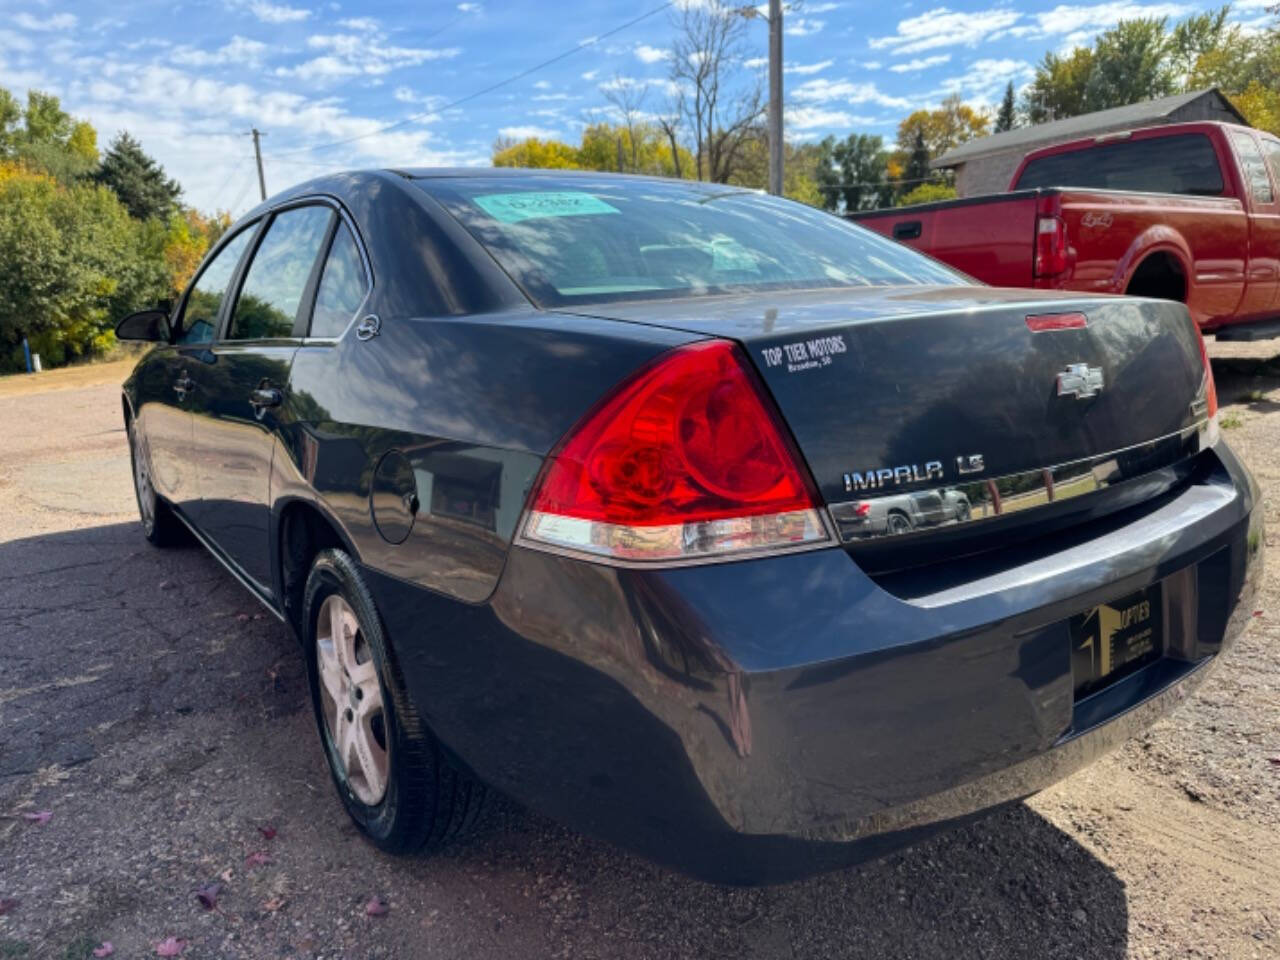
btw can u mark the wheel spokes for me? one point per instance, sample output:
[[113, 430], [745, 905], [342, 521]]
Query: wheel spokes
[[352, 703]]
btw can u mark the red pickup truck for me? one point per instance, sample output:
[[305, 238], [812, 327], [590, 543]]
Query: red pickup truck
[[1187, 212]]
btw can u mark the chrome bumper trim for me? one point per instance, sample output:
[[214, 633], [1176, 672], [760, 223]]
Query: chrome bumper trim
[[973, 500]]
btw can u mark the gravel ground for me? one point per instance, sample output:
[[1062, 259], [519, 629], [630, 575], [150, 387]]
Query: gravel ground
[[151, 707]]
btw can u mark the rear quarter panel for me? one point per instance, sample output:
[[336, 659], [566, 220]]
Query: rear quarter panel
[[1112, 233], [464, 409]]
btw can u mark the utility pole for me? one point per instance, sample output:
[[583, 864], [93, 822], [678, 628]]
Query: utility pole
[[257, 152], [775, 97], [775, 89]]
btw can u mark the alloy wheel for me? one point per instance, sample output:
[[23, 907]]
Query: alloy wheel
[[351, 700]]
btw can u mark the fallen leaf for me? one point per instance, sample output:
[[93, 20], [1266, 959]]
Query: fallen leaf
[[7, 904], [170, 947], [274, 904], [225, 875], [257, 859], [40, 816], [1275, 759], [377, 907], [106, 950], [1257, 613], [268, 832], [208, 896]]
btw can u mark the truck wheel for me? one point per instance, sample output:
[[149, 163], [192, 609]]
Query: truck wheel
[[389, 769], [159, 524], [899, 522]]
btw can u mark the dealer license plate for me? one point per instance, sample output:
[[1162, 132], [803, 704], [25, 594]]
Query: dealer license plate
[[1114, 639]]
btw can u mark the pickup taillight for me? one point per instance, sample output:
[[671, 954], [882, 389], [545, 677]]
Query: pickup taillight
[[1051, 246]]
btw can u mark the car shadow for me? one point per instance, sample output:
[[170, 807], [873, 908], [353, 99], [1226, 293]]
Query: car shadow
[[128, 637], [1245, 379]]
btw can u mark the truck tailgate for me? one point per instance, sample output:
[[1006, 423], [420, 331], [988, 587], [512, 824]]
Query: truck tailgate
[[989, 237]]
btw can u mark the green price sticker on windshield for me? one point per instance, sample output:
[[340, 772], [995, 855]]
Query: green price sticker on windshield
[[514, 207]]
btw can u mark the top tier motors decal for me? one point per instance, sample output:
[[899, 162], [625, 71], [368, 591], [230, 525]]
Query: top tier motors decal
[[812, 354]]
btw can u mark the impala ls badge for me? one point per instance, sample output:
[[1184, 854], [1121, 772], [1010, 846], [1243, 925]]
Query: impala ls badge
[[973, 463], [1080, 380], [893, 476]]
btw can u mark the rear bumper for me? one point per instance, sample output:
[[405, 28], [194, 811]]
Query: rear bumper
[[761, 720]]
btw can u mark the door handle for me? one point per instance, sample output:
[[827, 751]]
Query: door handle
[[265, 397], [183, 385]]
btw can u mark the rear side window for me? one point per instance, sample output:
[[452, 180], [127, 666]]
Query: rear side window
[[1272, 149], [277, 279], [200, 316], [1253, 167], [1186, 164], [342, 287]]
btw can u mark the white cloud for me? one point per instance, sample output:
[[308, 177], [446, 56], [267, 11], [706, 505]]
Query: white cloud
[[820, 90], [921, 63], [277, 13], [819, 7], [590, 75], [548, 97], [238, 50], [810, 118], [527, 131], [542, 85], [807, 68], [348, 54], [57, 21], [983, 82], [10, 40], [469, 8], [1094, 18], [942, 27], [648, 54], [364, 24], [802, 26]]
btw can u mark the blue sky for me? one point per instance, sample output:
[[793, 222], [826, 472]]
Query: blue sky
[[190, 78]]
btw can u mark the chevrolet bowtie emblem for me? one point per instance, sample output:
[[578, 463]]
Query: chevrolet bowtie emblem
[[1080, 380]]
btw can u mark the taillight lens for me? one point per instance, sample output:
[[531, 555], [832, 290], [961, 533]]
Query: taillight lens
[[684, 460], [1051, 246], [1208, 389]]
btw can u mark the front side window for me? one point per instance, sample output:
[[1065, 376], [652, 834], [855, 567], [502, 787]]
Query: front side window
[[570, 240], [1253, 167], [1183, 163], [276, 280], [200, 315], [342, 287]]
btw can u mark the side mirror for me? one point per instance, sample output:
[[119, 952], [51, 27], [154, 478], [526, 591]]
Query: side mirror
[[145, 325]]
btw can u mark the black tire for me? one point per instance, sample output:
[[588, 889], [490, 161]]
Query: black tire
[[962, 514], [159, 524], [427, 801], [899, 522]]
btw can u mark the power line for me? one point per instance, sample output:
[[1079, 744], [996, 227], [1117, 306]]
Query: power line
[[413, 118]]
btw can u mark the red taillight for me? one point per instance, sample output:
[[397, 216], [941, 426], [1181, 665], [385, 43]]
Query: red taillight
[[686, 459], [1051, 246]]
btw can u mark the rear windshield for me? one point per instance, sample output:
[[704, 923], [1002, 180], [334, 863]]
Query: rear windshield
[[570, 240], [1186, 163]]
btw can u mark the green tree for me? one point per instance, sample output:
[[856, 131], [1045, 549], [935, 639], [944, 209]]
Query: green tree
[[1131, 63], [72, 261], [917, 169], [1058, 90], [1007, 116], [138, 180], [855, 173], [927, 193]]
